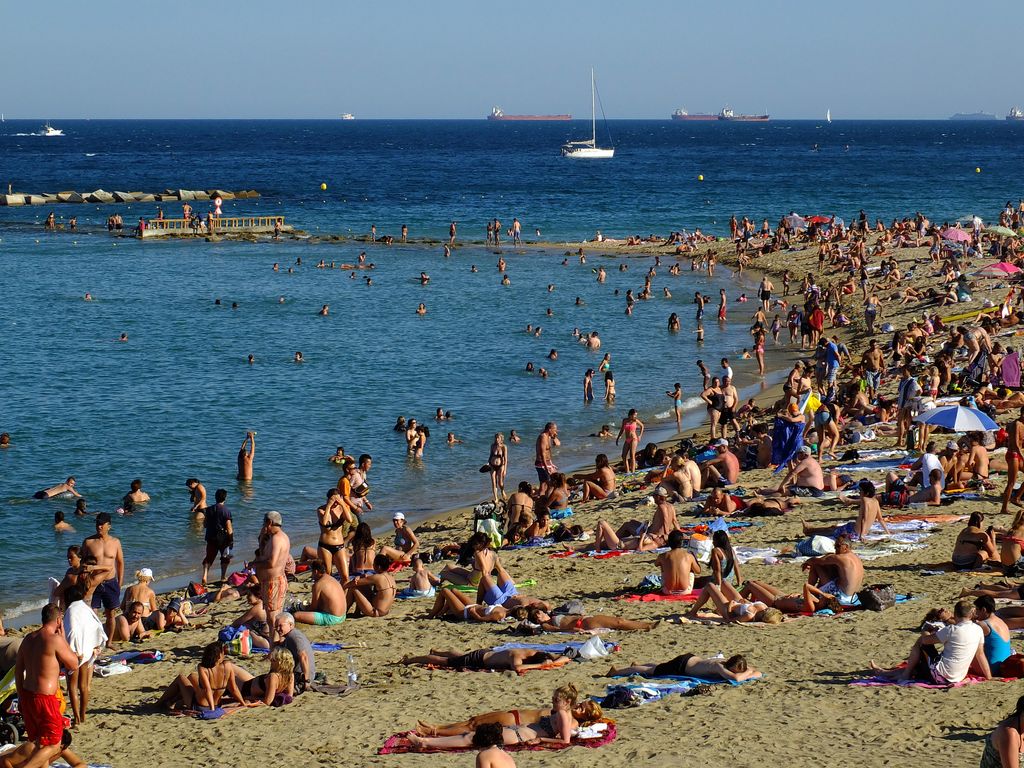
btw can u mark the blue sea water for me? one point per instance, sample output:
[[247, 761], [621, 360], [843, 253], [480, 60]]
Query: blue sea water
[[177, 398]]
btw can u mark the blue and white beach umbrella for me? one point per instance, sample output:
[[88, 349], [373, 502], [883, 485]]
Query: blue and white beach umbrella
[[958, 418]]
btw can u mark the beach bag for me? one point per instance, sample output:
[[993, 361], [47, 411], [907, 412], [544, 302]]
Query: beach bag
[[195, 590], [241, 645], [594, 648], [877, 597], [700, 547]]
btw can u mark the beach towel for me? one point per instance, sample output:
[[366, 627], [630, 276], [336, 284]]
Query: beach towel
[[657, 597], [787, 439], [557, 647], [1011, 370], [322, 647], [84, 631], [745, 554], [605, 554], [135, 657], [594, 736], [469, 589], [878, 682]]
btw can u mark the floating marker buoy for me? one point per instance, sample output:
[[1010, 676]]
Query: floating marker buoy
[[977, 170], [700, 177], [323, 187]]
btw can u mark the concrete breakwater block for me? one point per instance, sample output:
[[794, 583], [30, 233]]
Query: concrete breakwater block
[[124, 197], [99, 196], [12, 200], [70, 197], [222, 194]]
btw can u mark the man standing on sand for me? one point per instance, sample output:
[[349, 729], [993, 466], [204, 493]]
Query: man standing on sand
[[764, 292], [245, 458], [906, 398], [874, 363], [542, 462], [1014, 458], [37, 670], [271, 558], [109, 567], [219, 536], [730, 403]]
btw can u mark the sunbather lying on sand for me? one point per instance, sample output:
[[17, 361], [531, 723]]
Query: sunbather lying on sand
[[517, 659], [733, 607], [556, 728], [450, 603], [585, 710], [574, 622], [691, 665]]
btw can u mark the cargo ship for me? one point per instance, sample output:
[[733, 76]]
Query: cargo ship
[[973, 116], [682, 114], [497, 114], [728, 114], [1016, 113]]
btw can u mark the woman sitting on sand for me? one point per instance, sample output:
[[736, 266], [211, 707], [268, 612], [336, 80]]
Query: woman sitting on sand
[[273, 688], [558, 496], [974, 546], [1005, 744], [556, 728], [585, 711], [574, 622], [203, 689], [452, 604], [599, 484], [482, 559], [733, 607], [723, 562], [691, 665], [484, 659]]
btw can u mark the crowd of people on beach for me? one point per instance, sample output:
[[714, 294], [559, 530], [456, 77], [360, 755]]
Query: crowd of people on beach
[[822, 437]]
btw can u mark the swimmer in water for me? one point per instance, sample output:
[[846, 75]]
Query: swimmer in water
[[298, 357], [88, 297], [5, 440], [472, 268], [276, 267], [369, 281], [543, 373], [453, 440], [324, 310], [124, 337], [421, 309], [505, 280], [553, 354], [67, 488], [513, 437], [529, 367], [252, 359], [537, 331], [550, 312], [280, 299], [579, 302], [424, 278], [60, 525], [447, 251]]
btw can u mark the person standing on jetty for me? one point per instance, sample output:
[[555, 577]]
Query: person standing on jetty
[[109, 567], [245, 458], [271, 558], [36, 679], [452, 229]]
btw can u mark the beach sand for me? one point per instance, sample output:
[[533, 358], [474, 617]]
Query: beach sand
[[803, 713]]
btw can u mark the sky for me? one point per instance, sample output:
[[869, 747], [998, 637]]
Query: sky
[[458, 58]]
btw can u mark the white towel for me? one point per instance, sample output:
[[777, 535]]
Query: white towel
[[84, 631]]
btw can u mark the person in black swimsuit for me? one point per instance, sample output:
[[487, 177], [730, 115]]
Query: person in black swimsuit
[[734, 668]]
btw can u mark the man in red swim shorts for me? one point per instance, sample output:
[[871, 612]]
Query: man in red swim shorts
[[37, 669]]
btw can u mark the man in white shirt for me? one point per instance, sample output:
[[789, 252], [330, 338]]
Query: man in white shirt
[[923, 467], [963, 652]]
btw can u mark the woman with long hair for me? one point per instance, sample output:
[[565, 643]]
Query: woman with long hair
[[630, 431]]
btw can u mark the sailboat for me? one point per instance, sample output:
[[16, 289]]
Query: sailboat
[[588, 149], [828, 115]]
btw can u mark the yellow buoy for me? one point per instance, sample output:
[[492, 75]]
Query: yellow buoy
[[977, 170], [323, 187], [700, 177]]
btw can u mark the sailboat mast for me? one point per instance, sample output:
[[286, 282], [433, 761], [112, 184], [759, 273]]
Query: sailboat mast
[[593, 109]]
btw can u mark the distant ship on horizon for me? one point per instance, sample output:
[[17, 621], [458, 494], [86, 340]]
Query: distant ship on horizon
[[726, 114], [497, 114], [1015, 113], [979, 115]]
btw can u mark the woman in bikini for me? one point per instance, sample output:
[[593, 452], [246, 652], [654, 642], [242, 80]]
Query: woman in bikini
[[723, 562], [204, 688], [337, 523], [691, 665], [498, 464], [974, 546], [482, 659], [364, 549], [586, 711], [453, 604], [483, 562], [558, 496], [812, 599], [715, 401], [631, 431], [571, 622], [557, 728], [734, 607], [277, 685]]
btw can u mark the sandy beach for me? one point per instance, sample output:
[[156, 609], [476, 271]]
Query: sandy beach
[[802, 713]]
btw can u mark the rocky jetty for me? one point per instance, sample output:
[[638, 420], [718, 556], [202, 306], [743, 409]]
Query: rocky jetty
[[100, 196]]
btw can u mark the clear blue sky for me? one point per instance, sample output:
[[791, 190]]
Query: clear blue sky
[[457, 58]]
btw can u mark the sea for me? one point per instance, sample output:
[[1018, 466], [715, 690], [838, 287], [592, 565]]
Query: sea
[[176, 399]]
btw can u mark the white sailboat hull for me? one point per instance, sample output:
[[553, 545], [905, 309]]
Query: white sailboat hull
[[587, 153]]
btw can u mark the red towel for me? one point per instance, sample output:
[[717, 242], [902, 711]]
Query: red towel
[[656, 597]]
